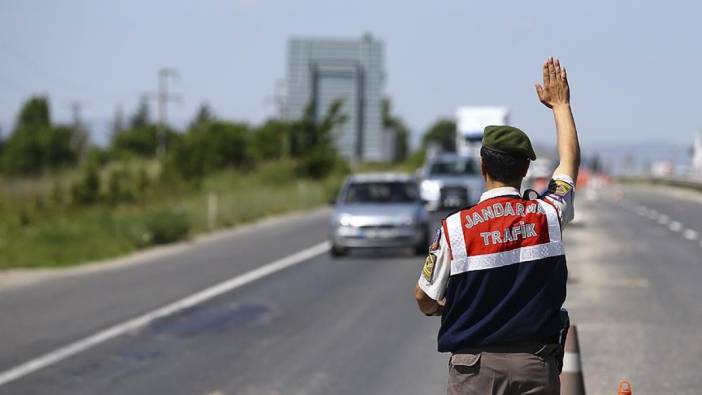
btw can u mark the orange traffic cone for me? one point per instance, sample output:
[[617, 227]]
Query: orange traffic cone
[[624, 388], [572, 382]]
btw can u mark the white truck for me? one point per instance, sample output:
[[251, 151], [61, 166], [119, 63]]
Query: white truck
[[470, 122], [697, 156]]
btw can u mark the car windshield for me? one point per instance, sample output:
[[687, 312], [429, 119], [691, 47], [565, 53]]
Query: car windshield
[[453, 168], [381, 192]]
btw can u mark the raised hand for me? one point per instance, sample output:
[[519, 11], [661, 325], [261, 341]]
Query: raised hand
[[555, 90]]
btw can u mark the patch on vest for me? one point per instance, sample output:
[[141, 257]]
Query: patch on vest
[[428, 269], [435, 244], [559, 187]]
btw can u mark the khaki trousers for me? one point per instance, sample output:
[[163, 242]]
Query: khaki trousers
[[526, 369]]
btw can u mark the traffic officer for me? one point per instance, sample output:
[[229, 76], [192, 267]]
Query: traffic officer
[[496, 272]]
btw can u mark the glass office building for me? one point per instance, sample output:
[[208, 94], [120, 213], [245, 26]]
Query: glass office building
[[321, 71]]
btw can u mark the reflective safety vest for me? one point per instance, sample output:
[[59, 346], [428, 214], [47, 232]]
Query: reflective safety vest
[[508, 274]]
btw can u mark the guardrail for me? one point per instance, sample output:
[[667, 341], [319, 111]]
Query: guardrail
[[680, 182]]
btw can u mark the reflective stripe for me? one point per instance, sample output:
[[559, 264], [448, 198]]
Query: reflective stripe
[[499, 259], [461, 261], [554, 225], [455, 235], [446, 240]]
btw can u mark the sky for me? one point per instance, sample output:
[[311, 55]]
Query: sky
[[633, 65]]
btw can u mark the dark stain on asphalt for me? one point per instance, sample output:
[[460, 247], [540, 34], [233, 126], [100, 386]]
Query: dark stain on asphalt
[[211, 320]]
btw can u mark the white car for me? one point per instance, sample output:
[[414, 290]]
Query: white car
[[450, 181], [379, 210]]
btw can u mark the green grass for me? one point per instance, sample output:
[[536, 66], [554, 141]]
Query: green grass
[[37, 229]]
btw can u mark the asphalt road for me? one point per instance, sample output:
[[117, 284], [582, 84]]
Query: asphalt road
[[350, 325], [634, 290]]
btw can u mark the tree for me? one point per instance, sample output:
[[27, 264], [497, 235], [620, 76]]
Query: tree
[[398, 127], [142, 115], [62, 146], [270, 140], [2, 144], [204, 114], [209, 147], [23, 153], [139, 141], [34, 114], [35, 145], [313, 140], [442, 133], [118, 123]]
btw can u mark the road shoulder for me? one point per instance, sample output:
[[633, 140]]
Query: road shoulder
[[17, 278]]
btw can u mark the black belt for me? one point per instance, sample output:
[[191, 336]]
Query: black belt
[[532, 347]]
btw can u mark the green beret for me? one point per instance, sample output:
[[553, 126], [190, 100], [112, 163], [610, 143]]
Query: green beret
[[508, 140]]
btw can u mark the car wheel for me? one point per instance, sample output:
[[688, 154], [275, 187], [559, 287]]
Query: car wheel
[[337, 251]]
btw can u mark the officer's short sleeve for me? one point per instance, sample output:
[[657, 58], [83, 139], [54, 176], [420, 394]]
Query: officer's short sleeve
[[436, 269], [561, 194]]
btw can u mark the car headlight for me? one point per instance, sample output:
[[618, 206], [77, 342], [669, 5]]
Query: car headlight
[[431, 185], [430, 189], [345, 220]]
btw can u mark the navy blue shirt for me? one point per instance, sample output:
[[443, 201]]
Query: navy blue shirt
[[514, 303]]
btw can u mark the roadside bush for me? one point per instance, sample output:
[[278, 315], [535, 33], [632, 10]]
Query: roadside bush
[[277, 173], [165, 226], [270, 141], [97, 155], [87, 189], [121, 186], [416, 160], [23, 154], [318, 163], [209, 147], [140, 141]]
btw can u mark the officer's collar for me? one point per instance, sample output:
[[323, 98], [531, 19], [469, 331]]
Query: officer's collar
[[502, 191]]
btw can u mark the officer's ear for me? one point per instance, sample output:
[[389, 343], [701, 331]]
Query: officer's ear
[[525, 168], [483, 172]]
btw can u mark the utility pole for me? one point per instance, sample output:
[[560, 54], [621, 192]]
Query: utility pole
[[81, 134], [280, 100], [163, 96], [76, 109]]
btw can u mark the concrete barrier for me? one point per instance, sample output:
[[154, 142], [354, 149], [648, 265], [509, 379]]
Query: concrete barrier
[[572, 382], [680, 182]]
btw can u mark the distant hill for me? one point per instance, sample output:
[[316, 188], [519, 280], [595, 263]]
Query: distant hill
[[627, 158]]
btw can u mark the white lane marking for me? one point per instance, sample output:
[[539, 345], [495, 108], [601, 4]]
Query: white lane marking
[[690, 234], [675, 226], [169, 309]]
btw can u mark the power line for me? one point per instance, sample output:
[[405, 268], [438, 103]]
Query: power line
[[28, 61]]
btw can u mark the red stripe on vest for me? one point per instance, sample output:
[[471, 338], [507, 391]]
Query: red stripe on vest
[[503, 224], [446, 235]]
